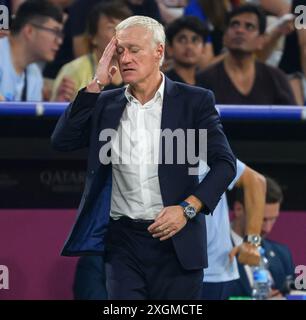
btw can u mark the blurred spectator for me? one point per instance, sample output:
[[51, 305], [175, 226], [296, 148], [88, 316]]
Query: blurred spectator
[[171, 9], [36, 35], [76, 74], [222, 271], [185, 45], [240, 79], [280, 263], [144, 8], [81, 8], [213, 14], [64, 54], [294, 57]]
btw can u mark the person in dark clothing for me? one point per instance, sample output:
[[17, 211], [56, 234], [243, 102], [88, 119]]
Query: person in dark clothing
[[186, 41], [280, 262], [240, 78]]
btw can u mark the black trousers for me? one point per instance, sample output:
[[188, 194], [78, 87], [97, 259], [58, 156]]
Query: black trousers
[[140, 267], [218, 290]]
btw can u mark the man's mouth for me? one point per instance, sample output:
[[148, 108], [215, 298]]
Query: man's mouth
[[128, 69]]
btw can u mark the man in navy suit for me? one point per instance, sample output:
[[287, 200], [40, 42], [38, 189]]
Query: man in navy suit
[[147, 214], [280, 263]]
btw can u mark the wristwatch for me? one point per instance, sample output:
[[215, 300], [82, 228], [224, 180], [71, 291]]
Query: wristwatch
[[254, 239], [189, 210], [99, 83]]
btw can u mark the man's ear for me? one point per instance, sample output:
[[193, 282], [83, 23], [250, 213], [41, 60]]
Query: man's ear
[[28, 31], [160, 49]]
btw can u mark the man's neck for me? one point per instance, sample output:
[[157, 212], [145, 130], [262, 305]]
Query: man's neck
[[186, 73], [145, 91], [20, 54], [239, 63]]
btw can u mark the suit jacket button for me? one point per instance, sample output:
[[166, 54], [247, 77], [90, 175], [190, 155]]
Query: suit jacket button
[[92, 172]]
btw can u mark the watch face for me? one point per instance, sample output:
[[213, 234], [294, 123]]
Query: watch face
[[255, 239], [190, 212]]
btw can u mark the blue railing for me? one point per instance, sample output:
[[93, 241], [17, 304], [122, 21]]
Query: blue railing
[[228, 112]]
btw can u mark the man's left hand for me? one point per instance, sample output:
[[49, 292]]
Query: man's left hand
[[247, 254], [169, 222]]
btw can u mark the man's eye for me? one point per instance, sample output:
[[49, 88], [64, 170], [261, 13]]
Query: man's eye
[[119, 50], [134, 50]]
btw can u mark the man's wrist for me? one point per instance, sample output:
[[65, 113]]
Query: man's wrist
[[188, 209], [99, 83], [93, 87], [254, 239]]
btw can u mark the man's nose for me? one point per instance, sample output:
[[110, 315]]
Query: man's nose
[[125, 57], [240, 28], [266, 227]]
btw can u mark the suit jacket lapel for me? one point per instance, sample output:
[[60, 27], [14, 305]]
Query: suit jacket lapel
[[110, 116], [169, 120]]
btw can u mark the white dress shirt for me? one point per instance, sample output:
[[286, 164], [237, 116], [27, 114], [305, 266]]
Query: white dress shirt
[[135, 183]]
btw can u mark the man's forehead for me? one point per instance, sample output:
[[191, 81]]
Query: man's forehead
[[246, 17], [133, 34], [186, 31]]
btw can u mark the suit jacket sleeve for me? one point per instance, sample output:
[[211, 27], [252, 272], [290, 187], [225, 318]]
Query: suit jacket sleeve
[[72, 130], [220, 157]]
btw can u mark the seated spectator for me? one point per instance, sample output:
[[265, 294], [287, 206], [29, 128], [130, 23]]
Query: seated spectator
[[222, 271], [280, 262], [65, 53], [240, 78], [101, 28], [36, 35], [185, 46], [81, 9], [213, 14]]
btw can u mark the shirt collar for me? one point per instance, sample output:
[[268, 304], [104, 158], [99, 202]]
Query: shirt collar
[[158, 95]]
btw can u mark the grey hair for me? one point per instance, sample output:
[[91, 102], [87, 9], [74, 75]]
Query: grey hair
[[157, 29]]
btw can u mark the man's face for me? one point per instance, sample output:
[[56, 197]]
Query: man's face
[[187, 48], [45, 39], [138, 56], [105, 32], [242, 34], [270, 216]]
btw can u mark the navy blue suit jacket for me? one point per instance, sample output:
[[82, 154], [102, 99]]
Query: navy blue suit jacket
[[184, 107], [280, 265]]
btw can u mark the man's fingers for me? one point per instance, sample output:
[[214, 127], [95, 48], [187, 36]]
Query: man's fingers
[[158, 226], [109, 51], [171, 234], [233, 253]]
